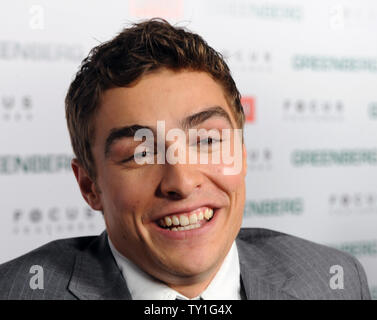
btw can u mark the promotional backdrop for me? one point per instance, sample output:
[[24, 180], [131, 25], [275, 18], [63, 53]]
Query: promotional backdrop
[[307, 71]]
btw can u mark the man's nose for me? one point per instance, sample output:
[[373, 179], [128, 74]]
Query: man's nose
[[179, 181]]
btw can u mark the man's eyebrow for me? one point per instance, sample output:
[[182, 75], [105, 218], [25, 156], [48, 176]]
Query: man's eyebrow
[[197, 118], [123, 132]]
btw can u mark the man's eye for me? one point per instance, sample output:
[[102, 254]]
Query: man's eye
[[143, 154], [140, 155], [209, 141]]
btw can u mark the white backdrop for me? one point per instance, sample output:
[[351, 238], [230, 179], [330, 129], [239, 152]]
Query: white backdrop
[[307, 71]]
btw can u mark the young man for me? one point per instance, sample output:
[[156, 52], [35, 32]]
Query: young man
[[172, 227]]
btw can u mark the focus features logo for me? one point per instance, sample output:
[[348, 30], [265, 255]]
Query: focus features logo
[[313, 110], [259, 159], [352, 203], [16, 108], [345, 16], [248, 60], [54, 220]]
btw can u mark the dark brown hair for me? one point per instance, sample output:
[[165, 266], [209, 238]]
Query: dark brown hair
[[143, 48]]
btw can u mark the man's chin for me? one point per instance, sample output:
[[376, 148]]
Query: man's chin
[[194, 264]]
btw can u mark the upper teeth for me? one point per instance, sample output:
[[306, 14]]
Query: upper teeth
[[187, 219]]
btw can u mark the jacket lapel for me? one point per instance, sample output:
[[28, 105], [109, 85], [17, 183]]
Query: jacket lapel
[[96, 275], [261, 277]]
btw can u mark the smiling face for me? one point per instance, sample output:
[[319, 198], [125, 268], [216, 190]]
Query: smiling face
[[141, 201]]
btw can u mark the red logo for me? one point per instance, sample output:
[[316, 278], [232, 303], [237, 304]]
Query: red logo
[[248, 104], [168, 9]]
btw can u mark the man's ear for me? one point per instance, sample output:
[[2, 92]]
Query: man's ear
[[87, 186]]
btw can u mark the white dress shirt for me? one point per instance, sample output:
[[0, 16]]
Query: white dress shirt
[[225, 285]]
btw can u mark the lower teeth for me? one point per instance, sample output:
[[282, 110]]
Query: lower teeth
[[189, 227]]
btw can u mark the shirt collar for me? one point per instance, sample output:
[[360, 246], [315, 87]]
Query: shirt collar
[[224, 286]]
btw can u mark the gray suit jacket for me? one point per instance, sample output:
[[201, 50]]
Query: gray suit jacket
[[273, 265]]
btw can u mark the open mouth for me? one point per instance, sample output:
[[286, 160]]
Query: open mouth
[[187, 221]]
